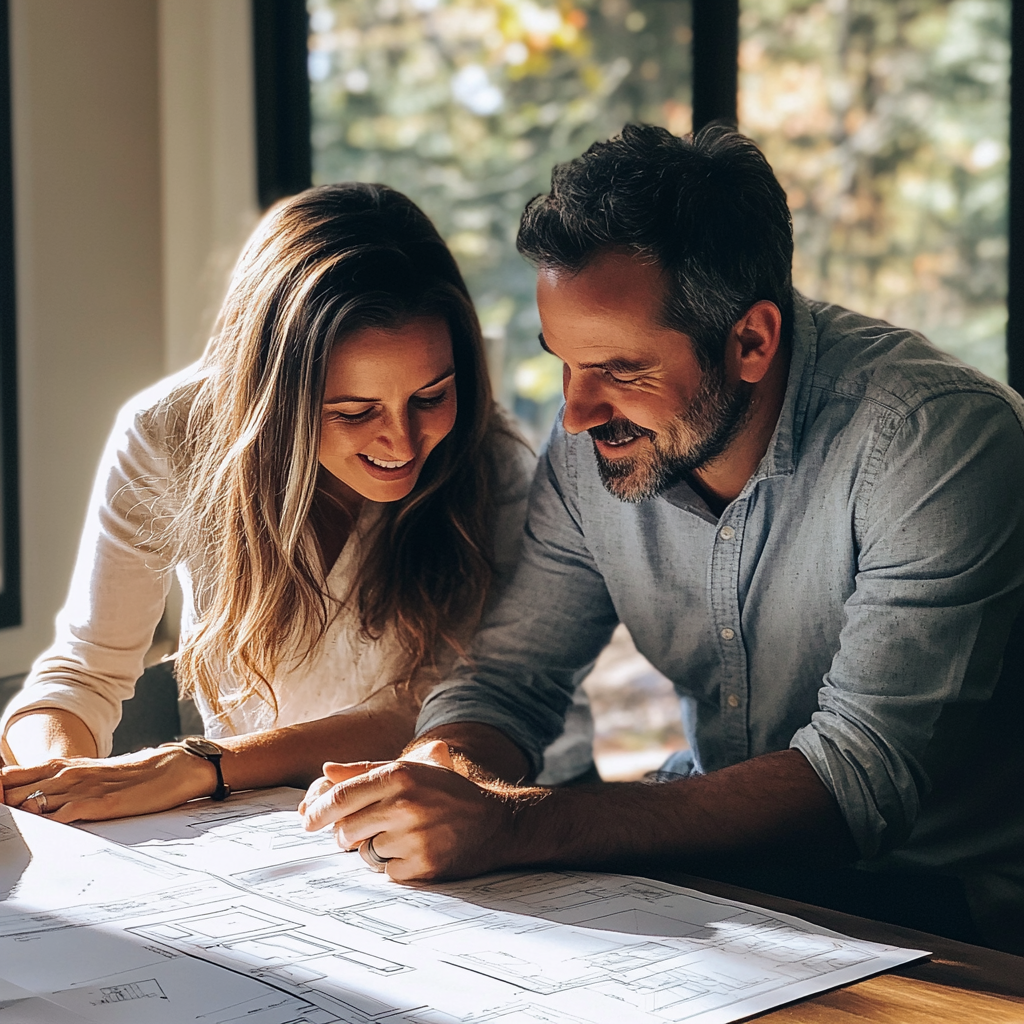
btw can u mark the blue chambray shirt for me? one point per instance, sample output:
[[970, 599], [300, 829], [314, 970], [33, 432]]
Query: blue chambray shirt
[[854, 602]]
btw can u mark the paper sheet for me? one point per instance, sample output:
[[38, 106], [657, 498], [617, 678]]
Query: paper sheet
[[227, 912]]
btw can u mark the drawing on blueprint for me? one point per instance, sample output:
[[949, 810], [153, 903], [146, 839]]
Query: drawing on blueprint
[[148, 989], [285, 911]]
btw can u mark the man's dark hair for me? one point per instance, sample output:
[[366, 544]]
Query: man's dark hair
[[707, 208]]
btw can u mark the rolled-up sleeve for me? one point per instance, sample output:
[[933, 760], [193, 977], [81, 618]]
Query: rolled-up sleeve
[[552, 620], [940, 577]]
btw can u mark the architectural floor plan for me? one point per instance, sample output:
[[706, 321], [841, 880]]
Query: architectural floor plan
[[230, 912]]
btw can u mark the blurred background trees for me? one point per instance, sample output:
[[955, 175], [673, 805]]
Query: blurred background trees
[[888, 123]]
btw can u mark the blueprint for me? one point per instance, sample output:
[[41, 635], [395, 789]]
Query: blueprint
[[230, 912]]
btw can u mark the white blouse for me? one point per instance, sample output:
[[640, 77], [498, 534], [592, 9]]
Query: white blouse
[[122, 577]]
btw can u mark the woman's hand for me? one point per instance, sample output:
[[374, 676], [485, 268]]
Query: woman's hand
[[94, 789]]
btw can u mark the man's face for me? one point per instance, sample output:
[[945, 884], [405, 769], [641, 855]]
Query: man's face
[[636, 386]]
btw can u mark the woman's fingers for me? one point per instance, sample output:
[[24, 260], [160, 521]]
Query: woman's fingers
[[21, 783], [90, 789]]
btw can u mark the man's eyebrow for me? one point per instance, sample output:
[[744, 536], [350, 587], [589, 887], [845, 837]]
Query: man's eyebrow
[[450, 372], [617, 365]]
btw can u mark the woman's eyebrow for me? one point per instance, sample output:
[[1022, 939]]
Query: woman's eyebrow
[[450, 372]]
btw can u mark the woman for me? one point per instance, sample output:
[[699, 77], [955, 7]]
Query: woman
[[336, 491]]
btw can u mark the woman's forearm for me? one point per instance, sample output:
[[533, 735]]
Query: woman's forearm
[[79, 788], [294, 755], [37, 736]]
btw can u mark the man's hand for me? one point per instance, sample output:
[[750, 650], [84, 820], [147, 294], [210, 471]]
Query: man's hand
[[429, 821], [434, 823]]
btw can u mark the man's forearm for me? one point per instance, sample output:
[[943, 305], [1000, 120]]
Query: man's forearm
[[771, 806]]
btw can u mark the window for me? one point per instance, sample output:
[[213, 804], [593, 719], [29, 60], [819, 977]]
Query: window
[[10, 544]]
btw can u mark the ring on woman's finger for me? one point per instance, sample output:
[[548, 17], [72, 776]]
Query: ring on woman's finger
[[40, 798], [373, 859]]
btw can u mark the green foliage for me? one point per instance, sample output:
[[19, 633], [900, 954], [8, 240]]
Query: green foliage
[[887, 122]]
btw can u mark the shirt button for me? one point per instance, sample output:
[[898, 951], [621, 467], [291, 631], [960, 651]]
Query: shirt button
[[733, 701], [727, 533], [727, 633]]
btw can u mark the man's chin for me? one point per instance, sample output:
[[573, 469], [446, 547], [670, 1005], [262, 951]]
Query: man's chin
[[628, 480]]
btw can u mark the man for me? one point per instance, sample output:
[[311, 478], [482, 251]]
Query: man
[[812, 522]]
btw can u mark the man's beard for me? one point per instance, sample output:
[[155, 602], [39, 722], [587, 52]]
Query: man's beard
[[692, 440]]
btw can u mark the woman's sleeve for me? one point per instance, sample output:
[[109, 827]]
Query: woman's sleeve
[[117, 592]]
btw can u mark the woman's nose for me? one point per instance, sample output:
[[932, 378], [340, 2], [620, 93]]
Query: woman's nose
[[397, 435]]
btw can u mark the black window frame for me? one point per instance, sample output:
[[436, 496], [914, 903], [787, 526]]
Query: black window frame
[[10, 505], [280, 30]]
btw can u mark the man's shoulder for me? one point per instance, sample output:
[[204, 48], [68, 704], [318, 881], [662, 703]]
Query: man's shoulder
[[893, 369]]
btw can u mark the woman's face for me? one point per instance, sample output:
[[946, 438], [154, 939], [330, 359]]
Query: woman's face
[[389, 400]]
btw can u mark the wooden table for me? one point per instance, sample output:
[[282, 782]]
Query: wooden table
[[959, 984]]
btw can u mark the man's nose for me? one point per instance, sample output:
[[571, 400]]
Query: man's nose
[[586, 404]]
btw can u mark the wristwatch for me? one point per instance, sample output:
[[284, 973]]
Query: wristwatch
[[200, 746]]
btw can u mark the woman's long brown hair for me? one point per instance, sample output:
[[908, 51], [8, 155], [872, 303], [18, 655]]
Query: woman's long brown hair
[[321, 265]]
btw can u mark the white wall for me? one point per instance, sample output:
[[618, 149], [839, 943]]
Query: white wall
[[209, 161], [134, 187]]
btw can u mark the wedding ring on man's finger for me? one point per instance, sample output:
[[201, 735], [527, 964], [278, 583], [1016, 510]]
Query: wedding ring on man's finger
[[40, 798], [373, 859]]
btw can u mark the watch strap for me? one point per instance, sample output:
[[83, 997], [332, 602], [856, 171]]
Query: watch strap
[[200, 746]]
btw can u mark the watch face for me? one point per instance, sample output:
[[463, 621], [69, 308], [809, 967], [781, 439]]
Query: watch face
[[202, 746]]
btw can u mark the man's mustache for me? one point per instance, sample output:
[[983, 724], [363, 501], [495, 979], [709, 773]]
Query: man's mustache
[[619, 430]]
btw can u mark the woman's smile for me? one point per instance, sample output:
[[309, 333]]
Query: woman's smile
[[381, 469]]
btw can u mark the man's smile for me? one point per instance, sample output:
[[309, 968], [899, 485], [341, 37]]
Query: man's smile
[[619, 443]]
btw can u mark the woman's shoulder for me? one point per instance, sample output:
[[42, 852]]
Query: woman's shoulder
[[160, 411], [512, 459]]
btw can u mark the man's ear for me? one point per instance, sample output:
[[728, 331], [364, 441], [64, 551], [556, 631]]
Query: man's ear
[[753, 342]]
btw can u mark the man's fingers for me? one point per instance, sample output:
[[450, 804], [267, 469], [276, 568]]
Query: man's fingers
[[361, 790], [436, 752], [317, 788], [368, 823], [338, 772], [335, 772]]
